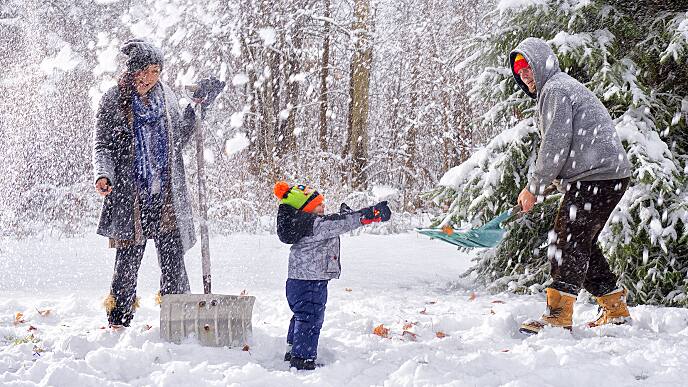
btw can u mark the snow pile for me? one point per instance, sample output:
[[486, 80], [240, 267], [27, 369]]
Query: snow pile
[[516, 5], [384, 192], [237, 143], [240, 79], [268, 35], [481, 162], [654, 166], [481, 187], [64, 60], [106, 55], [676, 48], [441, 332], [506, 5]]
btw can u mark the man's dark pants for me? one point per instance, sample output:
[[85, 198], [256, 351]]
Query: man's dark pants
[[576, 260]]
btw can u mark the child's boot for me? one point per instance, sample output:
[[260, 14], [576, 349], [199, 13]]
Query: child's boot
[[287, 355], [303, 364]]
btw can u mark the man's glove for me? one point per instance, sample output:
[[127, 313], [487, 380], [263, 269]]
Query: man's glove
[[207, 90], [377, 213]]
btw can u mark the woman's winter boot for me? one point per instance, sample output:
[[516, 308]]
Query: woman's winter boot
[[559, 313], [118, 315], [613, 309]]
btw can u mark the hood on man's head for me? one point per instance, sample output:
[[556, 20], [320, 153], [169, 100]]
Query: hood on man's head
[[540, 58]]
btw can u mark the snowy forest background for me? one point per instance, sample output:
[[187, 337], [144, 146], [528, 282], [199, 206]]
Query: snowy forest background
[[286, 113], [363, 99]]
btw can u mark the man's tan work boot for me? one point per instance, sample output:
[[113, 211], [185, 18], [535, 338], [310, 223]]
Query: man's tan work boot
[[559, 313], [613, 309]]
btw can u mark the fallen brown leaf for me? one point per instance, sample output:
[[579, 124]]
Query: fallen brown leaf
[[147, 327], [246, 348], [448, 230], [440, 334], [44, 313], [381, 331], [473, 296], [409, 325], [498, 302], [19, 318], [32, 328], [424, 311], [348, 290]]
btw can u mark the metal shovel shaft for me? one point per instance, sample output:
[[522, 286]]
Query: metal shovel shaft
[[202, 201]]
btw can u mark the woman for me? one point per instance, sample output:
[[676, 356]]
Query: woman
[[139, 136]]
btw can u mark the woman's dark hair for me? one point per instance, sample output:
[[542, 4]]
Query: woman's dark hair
[[126, 90]]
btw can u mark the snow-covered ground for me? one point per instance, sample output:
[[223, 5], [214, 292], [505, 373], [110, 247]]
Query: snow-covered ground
[[392, 280]]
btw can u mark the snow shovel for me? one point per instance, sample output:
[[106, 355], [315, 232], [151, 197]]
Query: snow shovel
[[486, 236], [215, 320]]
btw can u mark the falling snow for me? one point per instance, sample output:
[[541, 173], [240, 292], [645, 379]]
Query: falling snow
[[448, 139]]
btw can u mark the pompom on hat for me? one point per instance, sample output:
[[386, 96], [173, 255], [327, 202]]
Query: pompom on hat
[[520, 63], [298, 196]]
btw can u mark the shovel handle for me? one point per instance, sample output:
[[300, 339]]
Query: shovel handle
[[516, 211], [549, 190], [202, 202]]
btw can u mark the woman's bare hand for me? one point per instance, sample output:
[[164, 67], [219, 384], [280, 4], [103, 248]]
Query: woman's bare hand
[[103, 186]]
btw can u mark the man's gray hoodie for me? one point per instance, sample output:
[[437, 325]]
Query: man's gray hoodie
[[578, 139]]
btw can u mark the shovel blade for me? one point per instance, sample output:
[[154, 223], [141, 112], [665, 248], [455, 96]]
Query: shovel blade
[[215, 320], [469, 239]]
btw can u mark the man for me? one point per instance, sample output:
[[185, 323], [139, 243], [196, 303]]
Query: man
[[579, 148]]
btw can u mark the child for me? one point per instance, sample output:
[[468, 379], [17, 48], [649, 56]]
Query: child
[[313, 261]]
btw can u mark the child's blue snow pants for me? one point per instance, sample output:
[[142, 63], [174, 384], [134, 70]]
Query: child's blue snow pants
[[307, 301]]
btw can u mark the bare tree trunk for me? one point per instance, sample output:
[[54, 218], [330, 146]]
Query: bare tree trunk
[[464, 132], [324, 74], [252, 121], [448, 134], [285, 138], [288, 140], [269, 123], [272, 97], [360, 84], [412, 132]]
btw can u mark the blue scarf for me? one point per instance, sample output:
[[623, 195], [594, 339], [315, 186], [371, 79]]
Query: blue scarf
[[152, 146]]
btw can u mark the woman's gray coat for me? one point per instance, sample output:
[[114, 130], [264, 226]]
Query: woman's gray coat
[[113, 158]]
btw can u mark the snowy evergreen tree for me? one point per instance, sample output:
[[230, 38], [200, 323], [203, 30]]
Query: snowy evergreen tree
[[633, 56]]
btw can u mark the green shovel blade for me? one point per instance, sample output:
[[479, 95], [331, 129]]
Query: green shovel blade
[[486, 236]]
